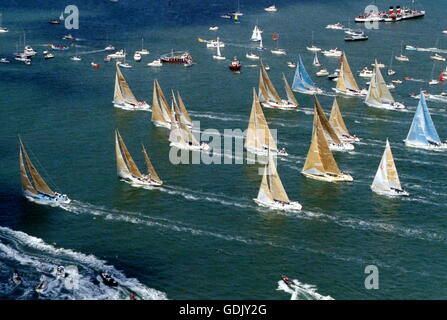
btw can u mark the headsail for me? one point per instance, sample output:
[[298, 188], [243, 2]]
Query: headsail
[[386, 176], [320, 160], [125, 162], [327, 127], [422, 130], [346, 79], [38, 184], [290, 96], [258, 132], [122, 89], [264, 193], [316, 62], [184, 113], [276, 188], [256, 34], [150, 168], [302, 80], [266, 89], [160, 108], [180, 132], [336, 120], [378, 92]]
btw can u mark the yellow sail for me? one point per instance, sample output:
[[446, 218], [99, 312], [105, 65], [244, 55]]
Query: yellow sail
[[26, 183], [264, 193], [124, 88], [157, 112], [184, 112], [117, 95], [38, 182], [272, 94], [346, 78], [262, 92], [336, 120], [290, 96], [320, 160], [378, 91], [324, 122], [391, 170], [186, 132], [276, 187], [150, 168], [130, 164], [121, 165], [251, 141]]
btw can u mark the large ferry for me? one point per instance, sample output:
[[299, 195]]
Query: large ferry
[[176, 57], [394, 14]]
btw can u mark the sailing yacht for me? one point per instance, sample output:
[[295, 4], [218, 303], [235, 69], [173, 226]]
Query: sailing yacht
[[402, 57], [278, 51], [76, 57], [2, 29], [386, 181], [252, 56], [36, 189], [123, 97], [271, 192], [128, 170], [218, 55], [181, 135], [259, 139], [338, 124], [390, 68], [161, 113], [422, 132], [256, 34], [316, 62], [346, 83], [379, 96], [143, 51], [335, 143], [320, 163], [268, 96], [302, 82], [312, 47]]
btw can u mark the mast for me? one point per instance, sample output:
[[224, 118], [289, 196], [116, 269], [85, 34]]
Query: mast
[[150, 168]]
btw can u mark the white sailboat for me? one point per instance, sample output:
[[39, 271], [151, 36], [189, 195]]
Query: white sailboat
[[252, 56], [2, 29], [312, 47], [218, 55], [37, 189], [256, 34], [346, 83], [390, 68], [320, 163], [143, 51], [334, 142], [386, 180], [259, 139], [338, 124], [379, 96], [271, 192], [123, 97], [268, 96], [402, 57], [128, 170], [278, 51], [316, 62], [422, 132]]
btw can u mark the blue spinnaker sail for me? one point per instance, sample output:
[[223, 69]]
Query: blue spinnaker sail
[[422, 129], [302, 80]]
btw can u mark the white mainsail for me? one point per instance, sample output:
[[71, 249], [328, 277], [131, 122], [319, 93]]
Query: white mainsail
[[386, 179]]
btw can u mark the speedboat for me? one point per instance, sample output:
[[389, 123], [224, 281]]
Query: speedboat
[[291, 64], [235, 65], [410, 48], [288, 282], [137, 56], [366, 73], [95, 65], [3, 30], [4, 60], [54, 21], [284, 105], [267, 67], [402, 58], [279, 205], [215, 43], [68, 37], [108, 280], [313, 48], [271, 9], [118, 55], [48, 56], [59, 48], [343, 146], [251, 56], [333, 53], [396, 81], [278, 51], [76, 58], [155, 63], [337, 26], [16, 278], [437, 57], [391, 72], [433, 81], [109, 48], [202, 146], [322, 73], [29, 52], [352, 93], [213, 28], [356, 37], [43, 285], [379, 65], [124, 64]]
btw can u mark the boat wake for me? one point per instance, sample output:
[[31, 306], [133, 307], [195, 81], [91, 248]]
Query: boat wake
[[301, 291], [36, 261]]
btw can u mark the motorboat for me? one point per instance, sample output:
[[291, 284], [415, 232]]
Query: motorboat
[[251, 56], [213, 28], [366, 73], [336, 26], [48, 56], [291, 64], [402, 58], [437, 57], [322, 73], [109, 48], [333, 53], [137, 56], [278, 51], [272, 8], [235, 65], [155, 63]]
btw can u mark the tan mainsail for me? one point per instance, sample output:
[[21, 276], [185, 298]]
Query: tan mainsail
[[150, 168], [276, 187], [180, 132], [336, 120], [327, 127], [122, 89], [160, 108], [123, 155], [26, 183], [184, 113], [258, 132], [393, 178], [346, 78], [264, 193], [378, 92], [290, 96], [266, 89], [38, 182], [320, 160]]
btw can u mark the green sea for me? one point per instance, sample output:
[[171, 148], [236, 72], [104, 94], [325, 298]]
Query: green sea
[[201, 235]]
